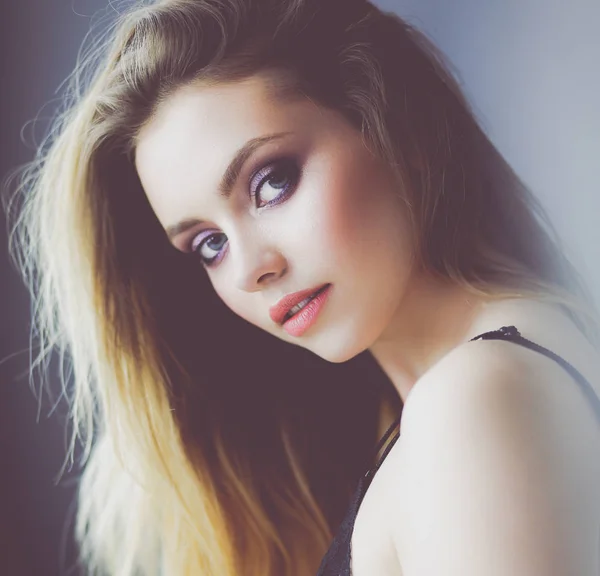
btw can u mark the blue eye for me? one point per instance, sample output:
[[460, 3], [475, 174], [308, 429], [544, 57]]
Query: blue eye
[[209, 243], [281, 176]]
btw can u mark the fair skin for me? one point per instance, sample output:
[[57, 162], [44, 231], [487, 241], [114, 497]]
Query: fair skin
[[339, 219], [497, 469]]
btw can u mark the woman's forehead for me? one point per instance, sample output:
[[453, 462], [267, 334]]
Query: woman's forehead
[[222, 116]]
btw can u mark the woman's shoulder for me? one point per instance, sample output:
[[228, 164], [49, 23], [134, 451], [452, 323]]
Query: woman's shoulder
[[493, 428], [501, 371]]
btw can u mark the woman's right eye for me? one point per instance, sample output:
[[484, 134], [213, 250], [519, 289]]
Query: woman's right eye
[[210, 245]]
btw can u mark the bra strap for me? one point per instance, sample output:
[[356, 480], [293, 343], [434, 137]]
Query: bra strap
[[395, 423], [513, 335], [380, 444]]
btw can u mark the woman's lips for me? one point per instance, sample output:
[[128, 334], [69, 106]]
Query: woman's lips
[[279, 311], [309, 298], [302, 320]]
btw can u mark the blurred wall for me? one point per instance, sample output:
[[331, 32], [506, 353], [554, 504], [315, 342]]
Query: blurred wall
[[531, 68], [39, 40]]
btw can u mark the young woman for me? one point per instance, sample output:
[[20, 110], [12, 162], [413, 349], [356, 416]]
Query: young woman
[[261, 232]]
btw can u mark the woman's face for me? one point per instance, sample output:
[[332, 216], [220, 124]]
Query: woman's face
[[307, 208]]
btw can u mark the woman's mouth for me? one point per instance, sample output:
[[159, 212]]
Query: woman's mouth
[[302, 304], [303, 315]]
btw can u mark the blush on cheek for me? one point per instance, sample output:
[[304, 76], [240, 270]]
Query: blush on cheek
[[354, 218]]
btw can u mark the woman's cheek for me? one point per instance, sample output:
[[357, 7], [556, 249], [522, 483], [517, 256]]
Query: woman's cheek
[[343, 220]]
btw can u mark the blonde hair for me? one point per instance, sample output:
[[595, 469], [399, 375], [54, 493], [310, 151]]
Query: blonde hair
[[179, 478]]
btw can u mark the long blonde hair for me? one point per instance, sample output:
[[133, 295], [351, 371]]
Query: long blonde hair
[[201, 456]]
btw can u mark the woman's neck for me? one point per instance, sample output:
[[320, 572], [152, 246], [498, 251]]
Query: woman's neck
[[432, 319]]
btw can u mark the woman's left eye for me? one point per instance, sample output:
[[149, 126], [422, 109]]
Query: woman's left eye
[[281, 176]]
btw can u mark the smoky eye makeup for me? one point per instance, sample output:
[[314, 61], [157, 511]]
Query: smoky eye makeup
[[272, 184]]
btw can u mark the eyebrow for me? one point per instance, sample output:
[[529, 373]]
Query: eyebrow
[[230, 177]]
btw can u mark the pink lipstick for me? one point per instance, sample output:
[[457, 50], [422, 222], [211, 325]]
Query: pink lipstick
[[302, 320]]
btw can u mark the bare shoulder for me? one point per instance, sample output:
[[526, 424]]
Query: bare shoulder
[[505, 379], [499, 387], [497, 440]]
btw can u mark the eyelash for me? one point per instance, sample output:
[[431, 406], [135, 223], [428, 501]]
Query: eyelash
[[287, 167]]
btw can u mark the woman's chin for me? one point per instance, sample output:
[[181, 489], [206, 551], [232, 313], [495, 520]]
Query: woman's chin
[[334, 348]]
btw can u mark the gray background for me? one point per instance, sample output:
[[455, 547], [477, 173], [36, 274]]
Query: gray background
[[531, 69]]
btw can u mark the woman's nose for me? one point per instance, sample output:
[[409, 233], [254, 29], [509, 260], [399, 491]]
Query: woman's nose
[[257, 266]]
